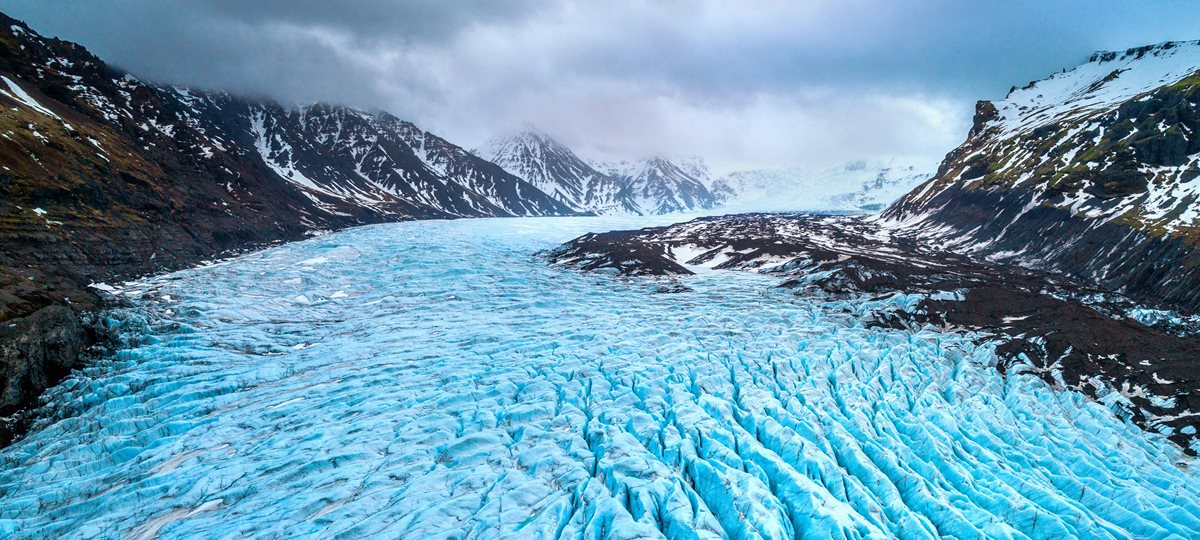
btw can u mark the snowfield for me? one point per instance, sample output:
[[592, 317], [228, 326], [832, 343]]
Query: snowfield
[[438, 379]]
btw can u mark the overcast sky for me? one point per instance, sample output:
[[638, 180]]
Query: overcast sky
[[742, 83]]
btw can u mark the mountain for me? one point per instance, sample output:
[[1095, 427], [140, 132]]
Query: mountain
[[1093, 172], [858, 186], [106, 176], [660, 186], [651, 186], [97, 150], [553, 168], [377, 161], [695, 167]]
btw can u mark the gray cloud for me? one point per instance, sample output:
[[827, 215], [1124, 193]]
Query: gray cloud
[[744, 83]]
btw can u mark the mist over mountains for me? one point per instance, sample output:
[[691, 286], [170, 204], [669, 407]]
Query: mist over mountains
[[228, 315]]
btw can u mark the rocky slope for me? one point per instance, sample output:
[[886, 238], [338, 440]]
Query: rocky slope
[[104, 176], [555, 169], [1093, 172], [858, 186]]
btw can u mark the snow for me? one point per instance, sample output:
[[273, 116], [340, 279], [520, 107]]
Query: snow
[[553, 168], [662, 185], [849, 187], [1071, 105], [683, 254], [19, 94], [462, 387], [1083, 90], [655, 185], [104, 287], [272, 148]]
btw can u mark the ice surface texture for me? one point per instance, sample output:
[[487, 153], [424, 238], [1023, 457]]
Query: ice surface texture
[[437, 379]]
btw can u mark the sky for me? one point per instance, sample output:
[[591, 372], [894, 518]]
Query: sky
[[745, 84]]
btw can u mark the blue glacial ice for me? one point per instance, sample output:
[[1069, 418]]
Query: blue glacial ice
[[438, 379]]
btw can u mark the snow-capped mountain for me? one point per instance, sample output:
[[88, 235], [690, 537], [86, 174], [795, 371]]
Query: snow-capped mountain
[[106, 176], [858, 186], [1094, 172], [366, 158], [695, 167], [553, 168], [222, 170], [652, 186], [661, 186]]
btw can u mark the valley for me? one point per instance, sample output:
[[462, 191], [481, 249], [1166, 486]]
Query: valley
[[227, 315], [372, 383]]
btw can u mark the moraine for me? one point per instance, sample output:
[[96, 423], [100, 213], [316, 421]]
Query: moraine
[[376, 383]]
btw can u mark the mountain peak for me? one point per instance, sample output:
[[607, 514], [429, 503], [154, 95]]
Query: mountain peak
[[539, 159], [529, 139], [1105, 81], [660, 185], [657, 184], [1135, 53], [1104, 154]]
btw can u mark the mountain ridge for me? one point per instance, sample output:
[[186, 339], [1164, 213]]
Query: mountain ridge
[[654, 185], [554, 168], [107, 177], [1090, 172], [659, 185]]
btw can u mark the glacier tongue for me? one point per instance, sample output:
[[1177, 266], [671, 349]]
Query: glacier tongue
[[437, 379]]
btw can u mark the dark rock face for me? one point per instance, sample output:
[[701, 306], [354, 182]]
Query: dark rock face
[[35, 352], [106, 177], [1154, 269], [1070, 335], [1094, 181], [620, 251]]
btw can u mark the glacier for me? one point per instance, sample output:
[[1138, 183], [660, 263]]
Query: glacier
[[439, 379]]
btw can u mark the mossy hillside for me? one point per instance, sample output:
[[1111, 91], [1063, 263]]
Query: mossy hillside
[[60, 169], [1108, 156]]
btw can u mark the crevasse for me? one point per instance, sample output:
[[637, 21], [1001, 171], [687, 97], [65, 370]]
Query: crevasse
[[438, 379]]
